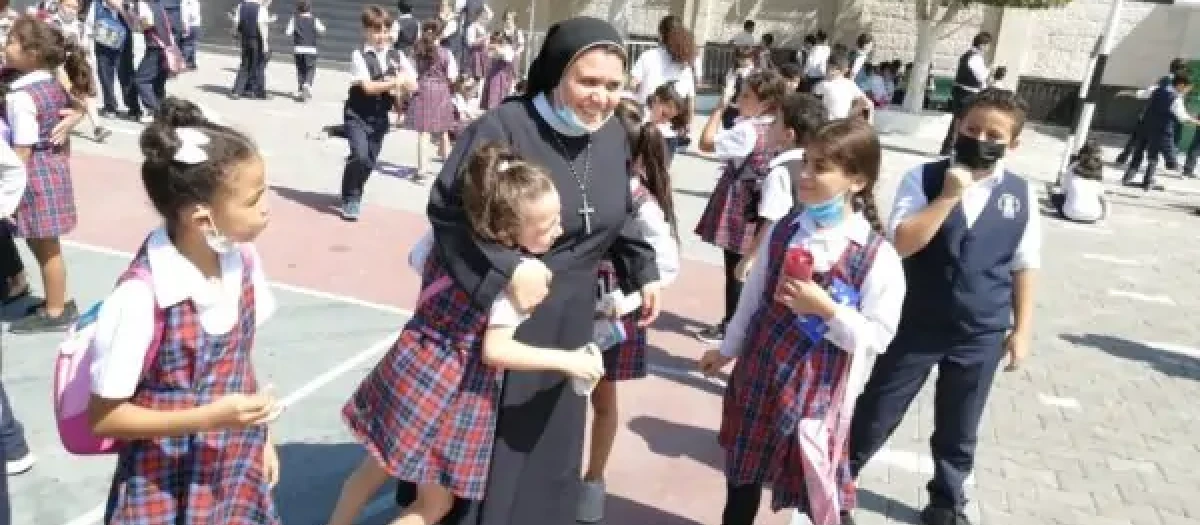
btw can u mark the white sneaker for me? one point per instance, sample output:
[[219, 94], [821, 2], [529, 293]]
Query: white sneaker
[[591, 502], [20, 465]]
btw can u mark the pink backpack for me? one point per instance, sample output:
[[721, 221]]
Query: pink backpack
[[73, 378]]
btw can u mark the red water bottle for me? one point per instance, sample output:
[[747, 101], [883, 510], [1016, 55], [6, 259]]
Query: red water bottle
[[798, 264]]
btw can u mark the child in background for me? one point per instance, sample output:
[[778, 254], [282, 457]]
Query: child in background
[[305, 30], [1081, 197], [193, 24], [666, 108], [466, 104], [501, 72], [734, 82], [800, 115], [427, 413], [431, 109], [730, 219], [841, 95], [76, 32], [792, 75], [654, 218], [379, 72], [196, 444], [824, 301], [47, 211]]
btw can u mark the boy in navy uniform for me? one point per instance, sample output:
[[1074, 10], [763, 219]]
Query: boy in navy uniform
[[1164, 115], [250, 23], [1177, 66], [381, 76], [969, 234]]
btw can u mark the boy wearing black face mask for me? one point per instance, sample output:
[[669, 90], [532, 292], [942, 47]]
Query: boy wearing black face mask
[[969, 235]]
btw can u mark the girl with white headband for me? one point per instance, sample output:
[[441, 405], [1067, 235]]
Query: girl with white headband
[[172, 374]]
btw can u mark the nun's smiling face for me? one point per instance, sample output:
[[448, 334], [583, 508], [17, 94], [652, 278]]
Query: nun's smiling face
[[591, 86]]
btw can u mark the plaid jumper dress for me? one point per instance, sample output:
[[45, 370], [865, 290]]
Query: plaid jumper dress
[[498, 83], [781, 378], [628, 359], [727, 222], [431, 109], [47, 208], [210, 478], [427, 412]]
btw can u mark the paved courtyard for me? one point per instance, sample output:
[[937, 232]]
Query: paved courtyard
[[1100, 427]]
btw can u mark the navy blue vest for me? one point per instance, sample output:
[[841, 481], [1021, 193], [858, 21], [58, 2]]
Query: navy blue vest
[[372, 109], [304, 31], [964, 76], [248, 20], [1159, 121], [960, 284]]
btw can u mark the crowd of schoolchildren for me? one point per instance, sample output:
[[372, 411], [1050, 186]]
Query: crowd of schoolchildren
[[816, 277]]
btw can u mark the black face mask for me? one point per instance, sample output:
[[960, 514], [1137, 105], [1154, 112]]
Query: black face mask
[[977, 154]]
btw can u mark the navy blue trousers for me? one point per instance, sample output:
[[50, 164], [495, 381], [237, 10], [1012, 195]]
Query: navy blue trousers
[[365, 138], [1149, 147], [965, 373]]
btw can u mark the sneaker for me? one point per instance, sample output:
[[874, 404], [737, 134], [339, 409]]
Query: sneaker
[[351, 209], [591, 502], [713, 335], [20, 465], [39, 322], [943, 516], [305, 93]]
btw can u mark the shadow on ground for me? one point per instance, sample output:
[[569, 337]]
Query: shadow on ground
[[1163, 359]]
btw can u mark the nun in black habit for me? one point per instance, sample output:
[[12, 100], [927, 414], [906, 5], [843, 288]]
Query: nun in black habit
[[563, 124]]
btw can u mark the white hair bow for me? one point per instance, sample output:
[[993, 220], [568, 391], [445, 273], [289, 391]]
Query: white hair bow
[[191, 146]]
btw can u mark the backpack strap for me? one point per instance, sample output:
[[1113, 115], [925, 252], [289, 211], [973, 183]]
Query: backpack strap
[[160, 318]]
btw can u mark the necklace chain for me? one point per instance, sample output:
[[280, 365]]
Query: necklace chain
[[587, 165]]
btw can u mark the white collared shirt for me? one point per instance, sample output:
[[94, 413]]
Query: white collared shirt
[[911, 199], [125, 322], [503, 314], [22, 111], [738, 142], [863, 332], [777, 198], [360, 71], [654, 67]]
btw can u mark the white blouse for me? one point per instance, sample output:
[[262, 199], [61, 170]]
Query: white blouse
[[125, 323]]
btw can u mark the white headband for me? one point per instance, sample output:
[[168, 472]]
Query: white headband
[[191, 146]]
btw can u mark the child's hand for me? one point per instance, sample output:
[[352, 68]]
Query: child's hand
[[742, 271], [529, 284], [1016, 347], [712, 362], [585, 363], [805, 298], [242, 410], [271, 464], [957, 180]]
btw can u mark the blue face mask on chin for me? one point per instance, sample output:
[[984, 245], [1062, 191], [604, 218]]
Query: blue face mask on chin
[[570, 120], [828, 213]]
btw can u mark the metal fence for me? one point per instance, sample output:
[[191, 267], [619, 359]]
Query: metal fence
[[714, 59]]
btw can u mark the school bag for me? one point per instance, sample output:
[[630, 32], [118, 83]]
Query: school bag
[[73, 378], [109, 31]]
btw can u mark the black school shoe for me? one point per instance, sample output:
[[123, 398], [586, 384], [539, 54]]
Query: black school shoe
[[943, 516], [38, 321]]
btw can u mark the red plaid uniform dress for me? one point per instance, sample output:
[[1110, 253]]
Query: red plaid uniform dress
[[427, 412], [499, 82], [781, 378], [431, 109], [628, 359], [724, 222], [47, 209], [211, 478]]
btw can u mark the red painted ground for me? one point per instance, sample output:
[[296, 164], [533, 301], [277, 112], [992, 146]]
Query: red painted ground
[[665, 469]]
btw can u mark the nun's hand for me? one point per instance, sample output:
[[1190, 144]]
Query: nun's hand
[[651, 303], [529, 284]]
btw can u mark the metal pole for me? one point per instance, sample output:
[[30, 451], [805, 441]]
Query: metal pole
[[1091, 81]]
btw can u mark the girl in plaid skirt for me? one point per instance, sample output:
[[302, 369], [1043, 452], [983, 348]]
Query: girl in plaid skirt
[[431, 109], [655, 220], [502, 70], [729, 218], [173, 375], [33, 104], [825, 298], [427, 413]]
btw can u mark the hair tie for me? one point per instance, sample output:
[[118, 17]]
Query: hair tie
[[503, 166], [191, 142]]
